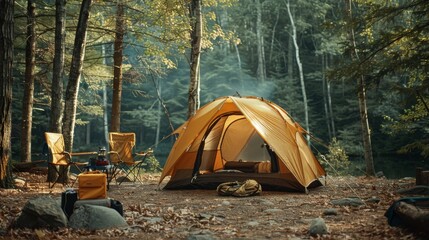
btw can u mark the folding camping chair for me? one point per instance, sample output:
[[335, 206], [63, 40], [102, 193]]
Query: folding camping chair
[[62, 160], [122, 156]]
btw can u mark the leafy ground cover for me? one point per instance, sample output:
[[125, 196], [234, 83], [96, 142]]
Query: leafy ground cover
[[203, 214]]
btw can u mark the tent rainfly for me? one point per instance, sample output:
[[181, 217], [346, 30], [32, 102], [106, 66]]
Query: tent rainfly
[[239, 138]]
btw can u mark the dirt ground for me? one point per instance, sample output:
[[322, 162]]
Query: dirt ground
[[203, 214]]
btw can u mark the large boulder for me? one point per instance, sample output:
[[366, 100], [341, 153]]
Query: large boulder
[[93, 217], [41, 212]]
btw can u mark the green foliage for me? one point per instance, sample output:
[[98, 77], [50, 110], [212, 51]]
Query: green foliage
[[336, 159], [391, 37], [152, 165]]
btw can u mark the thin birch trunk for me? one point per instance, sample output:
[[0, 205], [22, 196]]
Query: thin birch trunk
[[158, 120], [273, 34], [261, 71], [105, 120], [301, 73], [240, 72], [27, 103], [331, 112], [325, 97], [290, 58]]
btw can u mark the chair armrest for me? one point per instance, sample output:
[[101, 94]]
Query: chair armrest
[[69, 157], [116, 154], [83, 153], [144, 153]]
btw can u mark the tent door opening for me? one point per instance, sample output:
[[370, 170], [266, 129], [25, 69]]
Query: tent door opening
[[230, 142]]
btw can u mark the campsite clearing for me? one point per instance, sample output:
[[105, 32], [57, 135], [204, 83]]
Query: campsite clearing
[[190, 214]]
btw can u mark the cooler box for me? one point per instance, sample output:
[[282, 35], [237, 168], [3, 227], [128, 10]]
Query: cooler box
[[92, 185]]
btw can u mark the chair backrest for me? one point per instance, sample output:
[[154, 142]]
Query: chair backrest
[[56, 147], [123, 144]]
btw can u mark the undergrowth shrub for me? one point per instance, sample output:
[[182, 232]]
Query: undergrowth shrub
[[336, 161]]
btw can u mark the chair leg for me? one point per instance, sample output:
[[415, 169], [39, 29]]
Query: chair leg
[[113, 171], [131, 171], [60, 171]]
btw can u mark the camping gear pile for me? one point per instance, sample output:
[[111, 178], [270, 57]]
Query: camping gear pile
[[92, 190], [238, 138]]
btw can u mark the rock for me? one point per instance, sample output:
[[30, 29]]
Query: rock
[[266, 202], [41, 212], [202, 235], [379, 174], [93, 217], [348, 202], [226, 203], [330, 212], [317, 227], [373, 200], [153, 220], [417, 190], [253, 224]]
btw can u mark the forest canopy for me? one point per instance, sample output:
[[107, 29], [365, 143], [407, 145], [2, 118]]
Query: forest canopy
[[295, 54]]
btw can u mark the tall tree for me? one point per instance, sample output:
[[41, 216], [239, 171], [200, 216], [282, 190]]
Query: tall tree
[[27, 103], [6, 80], [361, 89], [196, 35], [57, 104], [75, 75], [396, 49], [115, 124], [260, 72], [298, 62]]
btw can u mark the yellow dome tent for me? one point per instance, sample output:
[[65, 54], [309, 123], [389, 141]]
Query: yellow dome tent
[[239, 138]]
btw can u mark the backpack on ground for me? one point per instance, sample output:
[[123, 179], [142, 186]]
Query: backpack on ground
[[246, 188]]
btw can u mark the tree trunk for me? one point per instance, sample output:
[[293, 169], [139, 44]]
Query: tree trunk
[[261, 71], [27, 102], [290, 58], [240, 71], [105, 114], [57, 104], [273, 34], [115, 124], [363, 110], [75, 75], [6, 81], [328, 99], [158, 117], [301, 72], [196, 34], [325, 97], [88, 133], [331, 113], [105, 117]]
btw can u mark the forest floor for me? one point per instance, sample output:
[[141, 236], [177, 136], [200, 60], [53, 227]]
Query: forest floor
[[203, 214]]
